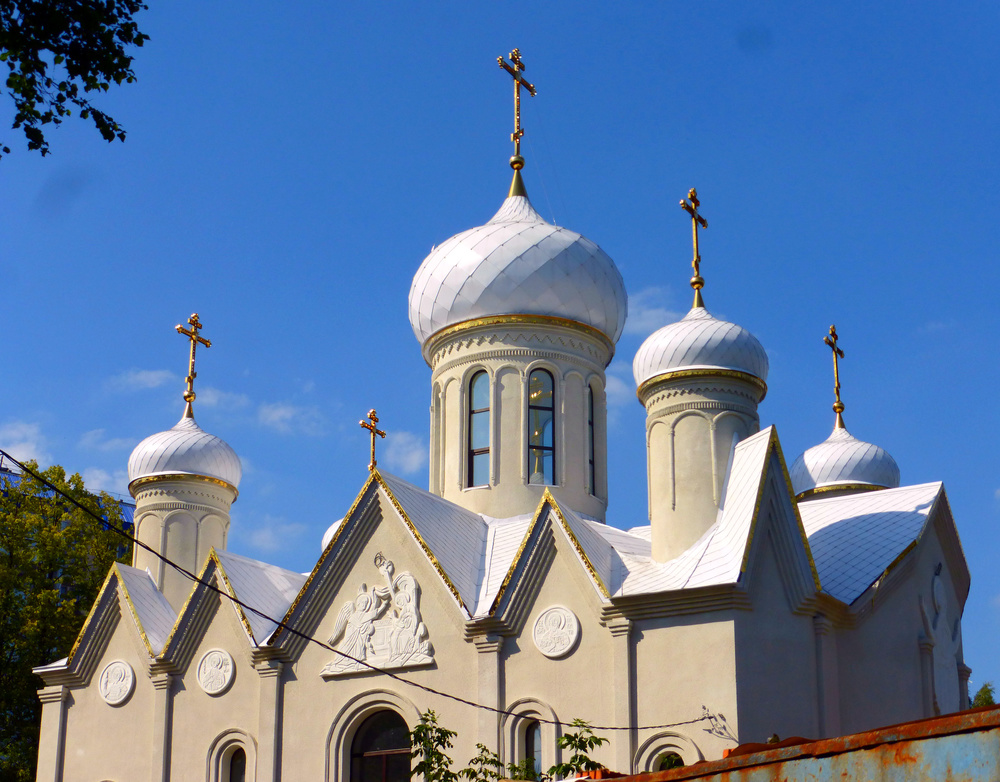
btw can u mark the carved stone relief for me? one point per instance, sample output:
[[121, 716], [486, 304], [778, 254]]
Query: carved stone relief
[[381, 627], [556, 632], [215, 671], [116, 683]]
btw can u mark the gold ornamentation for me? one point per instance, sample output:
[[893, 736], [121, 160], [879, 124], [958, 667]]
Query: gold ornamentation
[[838, 406], [376, 432], [853, 488], [193, 335], [690, 205], [515, 68], [140, 482], [643, 391]]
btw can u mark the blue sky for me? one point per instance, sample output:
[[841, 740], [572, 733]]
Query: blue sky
[[288, 167]]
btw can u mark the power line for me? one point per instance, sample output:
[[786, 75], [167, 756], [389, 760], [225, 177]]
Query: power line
[[374, 668]]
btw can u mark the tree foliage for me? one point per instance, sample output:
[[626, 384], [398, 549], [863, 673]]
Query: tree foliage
[[985, 695], [53, 560], [428, 742], [57, 52], [580, 744]]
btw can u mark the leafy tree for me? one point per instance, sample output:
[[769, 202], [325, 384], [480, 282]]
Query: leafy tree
[[429, 742], [59, 51], [581, 744], [525, 770], [486, 766], [985, 695], [53, 560]]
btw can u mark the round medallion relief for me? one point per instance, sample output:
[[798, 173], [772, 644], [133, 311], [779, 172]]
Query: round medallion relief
[[215, 671], [116, 683], [556, 631]]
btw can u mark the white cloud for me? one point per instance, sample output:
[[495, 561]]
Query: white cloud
[[141, 379], [619, 385], [405, 452], [286, 418], [274, 534], [24, 441], [647, 313], [95, 440], [214, 397], [96, 479]]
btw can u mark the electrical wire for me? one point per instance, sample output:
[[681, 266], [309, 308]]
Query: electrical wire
[[706, 715]]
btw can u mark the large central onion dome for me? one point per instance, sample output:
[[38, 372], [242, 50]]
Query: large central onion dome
[[517, 264], [842, 462], [699, 342], [185, 449]]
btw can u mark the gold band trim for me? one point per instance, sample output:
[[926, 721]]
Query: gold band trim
[[645, 388], [184, 476], [852, 487], [434, 340]]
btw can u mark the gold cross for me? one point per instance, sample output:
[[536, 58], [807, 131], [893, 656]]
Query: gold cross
[[376, 432], [838, 406], [193, 335], [690, 205], [515, 69]]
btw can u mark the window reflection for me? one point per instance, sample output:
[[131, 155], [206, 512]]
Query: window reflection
[[541, 428], [479, 430]]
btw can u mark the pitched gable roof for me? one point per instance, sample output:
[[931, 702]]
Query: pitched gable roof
[[153, 614], [267, 588], [856, 537]]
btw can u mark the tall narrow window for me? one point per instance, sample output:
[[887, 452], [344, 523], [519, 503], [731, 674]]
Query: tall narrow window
[[533, 747], [237, 766], [541, 428], [380, 751], [590, 441], [479, 430]]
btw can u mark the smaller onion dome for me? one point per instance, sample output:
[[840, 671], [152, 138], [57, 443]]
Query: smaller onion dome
[[843, 461], [517, 264], [185, 449], [699, 341], [330, 532]]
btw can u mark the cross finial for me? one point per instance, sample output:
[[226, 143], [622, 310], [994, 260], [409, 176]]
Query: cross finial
[[375, 431], [690, 205], [838, 406], [193, 335], [515, 68]]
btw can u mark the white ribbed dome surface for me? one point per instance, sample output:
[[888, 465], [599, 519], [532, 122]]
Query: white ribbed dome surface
[[517, 264], [844, 459], [186, 449], [330, 532], [699, 341]]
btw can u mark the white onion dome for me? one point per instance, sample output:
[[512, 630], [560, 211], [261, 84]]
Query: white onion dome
[[185, 449], [843, 461], [699, 342], [517, 264], [330, 532]]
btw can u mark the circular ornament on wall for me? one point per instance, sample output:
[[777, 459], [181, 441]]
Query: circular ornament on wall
[[556, 631], [116, 683], [215, 671]]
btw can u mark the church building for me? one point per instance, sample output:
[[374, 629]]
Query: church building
[[815, 600]]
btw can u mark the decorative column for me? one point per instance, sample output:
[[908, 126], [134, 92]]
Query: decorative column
[[162, 724], [624, 699], [827, 677], [52, 738], [269, 719], [489, 648], [927, 675]]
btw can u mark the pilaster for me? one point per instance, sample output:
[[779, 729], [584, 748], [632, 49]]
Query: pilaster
[[269, 719], [624, 690], [927, 675], [827, 677], [490, 688], [52, 738], [163, 699]]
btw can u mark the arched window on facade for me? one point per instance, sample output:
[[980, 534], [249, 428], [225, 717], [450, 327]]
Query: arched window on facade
[[668, 760], [380, 751], [479, 430], [591, 450], [533, 746], [237, 766], [541, 428]]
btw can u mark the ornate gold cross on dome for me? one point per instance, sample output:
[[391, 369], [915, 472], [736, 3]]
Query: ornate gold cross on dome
[[193, 335], [514, 68], [838, 406], [690, 205], [375, 431]]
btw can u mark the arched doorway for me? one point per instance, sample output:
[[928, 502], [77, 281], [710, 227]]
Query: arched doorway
[[380, 751]]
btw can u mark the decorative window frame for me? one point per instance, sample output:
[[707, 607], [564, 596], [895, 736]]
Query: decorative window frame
[[661, 743], [359, 708], [521, 714], [558, 421], [222, 749], [467, 412]]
